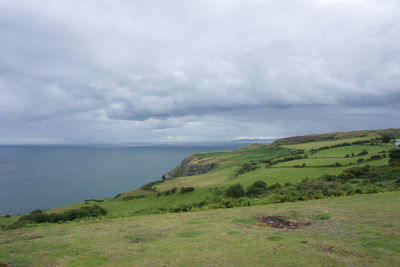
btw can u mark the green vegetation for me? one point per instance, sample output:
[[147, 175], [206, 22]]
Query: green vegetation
[[334, 193], [235, 191], [186, 189], [394, 155], [361, 231], [38, 216], [257, 188]]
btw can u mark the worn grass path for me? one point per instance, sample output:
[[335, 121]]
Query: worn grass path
[[362, 230]]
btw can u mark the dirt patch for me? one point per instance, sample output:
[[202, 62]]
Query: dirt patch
[[135, 239], [338, 251], [282, 222], [4, 265], [33, 237]]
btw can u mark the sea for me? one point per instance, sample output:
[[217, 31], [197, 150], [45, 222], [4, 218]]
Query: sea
[[49, 176]]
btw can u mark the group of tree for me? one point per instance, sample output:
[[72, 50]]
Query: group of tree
[[175, 189], [356, 180], [257, 188], [38, 216]]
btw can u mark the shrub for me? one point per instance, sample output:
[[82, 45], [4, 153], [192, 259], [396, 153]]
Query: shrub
[[257, 188], [187, 189], [133, 197], [246, 167], [94, 200], [235, 191], [374, 157], [394, 154], [358, 171], [150, 186], [386, 138], [362, 153], [275, 186], [38, 216]]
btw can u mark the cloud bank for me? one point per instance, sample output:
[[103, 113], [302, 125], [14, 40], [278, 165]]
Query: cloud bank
[[131, 71]]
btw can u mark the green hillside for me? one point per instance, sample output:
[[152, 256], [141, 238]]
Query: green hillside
[[337, 191]]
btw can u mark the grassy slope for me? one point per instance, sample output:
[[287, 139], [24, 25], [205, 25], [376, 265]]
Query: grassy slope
[[363, 230], [228, 163], [338, 136], [122, 233]]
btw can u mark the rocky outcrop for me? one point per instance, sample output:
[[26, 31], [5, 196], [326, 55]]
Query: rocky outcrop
[[189, 166]]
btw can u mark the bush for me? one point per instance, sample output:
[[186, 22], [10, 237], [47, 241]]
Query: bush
[[275, 186], [357, 171], [386, 138], [38, 216], [235, 191], [133, 197], [187, 189], [246, 167], [362, 153], [257, 188], [374, 157], [150, 186], [394, 156]]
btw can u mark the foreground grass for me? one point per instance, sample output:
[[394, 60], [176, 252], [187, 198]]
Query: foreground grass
[[361, 230]]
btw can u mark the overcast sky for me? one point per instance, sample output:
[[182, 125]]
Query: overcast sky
[[136, 71]]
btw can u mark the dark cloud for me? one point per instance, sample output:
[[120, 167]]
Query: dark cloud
[[121, 71]]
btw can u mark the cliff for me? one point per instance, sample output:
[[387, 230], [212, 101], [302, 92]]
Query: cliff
[[189, 166]]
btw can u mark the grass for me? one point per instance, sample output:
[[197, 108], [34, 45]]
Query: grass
[[314, 145], [313, 162], [353, 235], [223, 176], [342, 151], [354, 231]]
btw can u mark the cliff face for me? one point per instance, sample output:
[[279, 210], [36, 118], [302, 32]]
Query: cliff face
[[189, 166]]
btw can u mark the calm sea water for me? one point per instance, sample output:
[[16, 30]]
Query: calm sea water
[[50, 176]]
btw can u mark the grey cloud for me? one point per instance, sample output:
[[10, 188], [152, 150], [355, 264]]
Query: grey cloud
[[168, 68]]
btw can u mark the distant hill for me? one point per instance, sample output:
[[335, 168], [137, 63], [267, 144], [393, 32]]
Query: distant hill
[[336, 136], [253, 140]]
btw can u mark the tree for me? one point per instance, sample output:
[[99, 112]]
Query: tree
[[235, 191], [257, 188], [386, 138], [394, 156]]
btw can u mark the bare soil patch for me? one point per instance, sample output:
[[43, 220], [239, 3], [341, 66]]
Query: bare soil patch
[[33, 237], [338, 251], [282, 222]]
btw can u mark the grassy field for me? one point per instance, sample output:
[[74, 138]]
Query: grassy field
[[354, 231], [229, 162], [362, 230]]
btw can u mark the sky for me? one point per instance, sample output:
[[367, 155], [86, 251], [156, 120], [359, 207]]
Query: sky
[[124, 71]]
